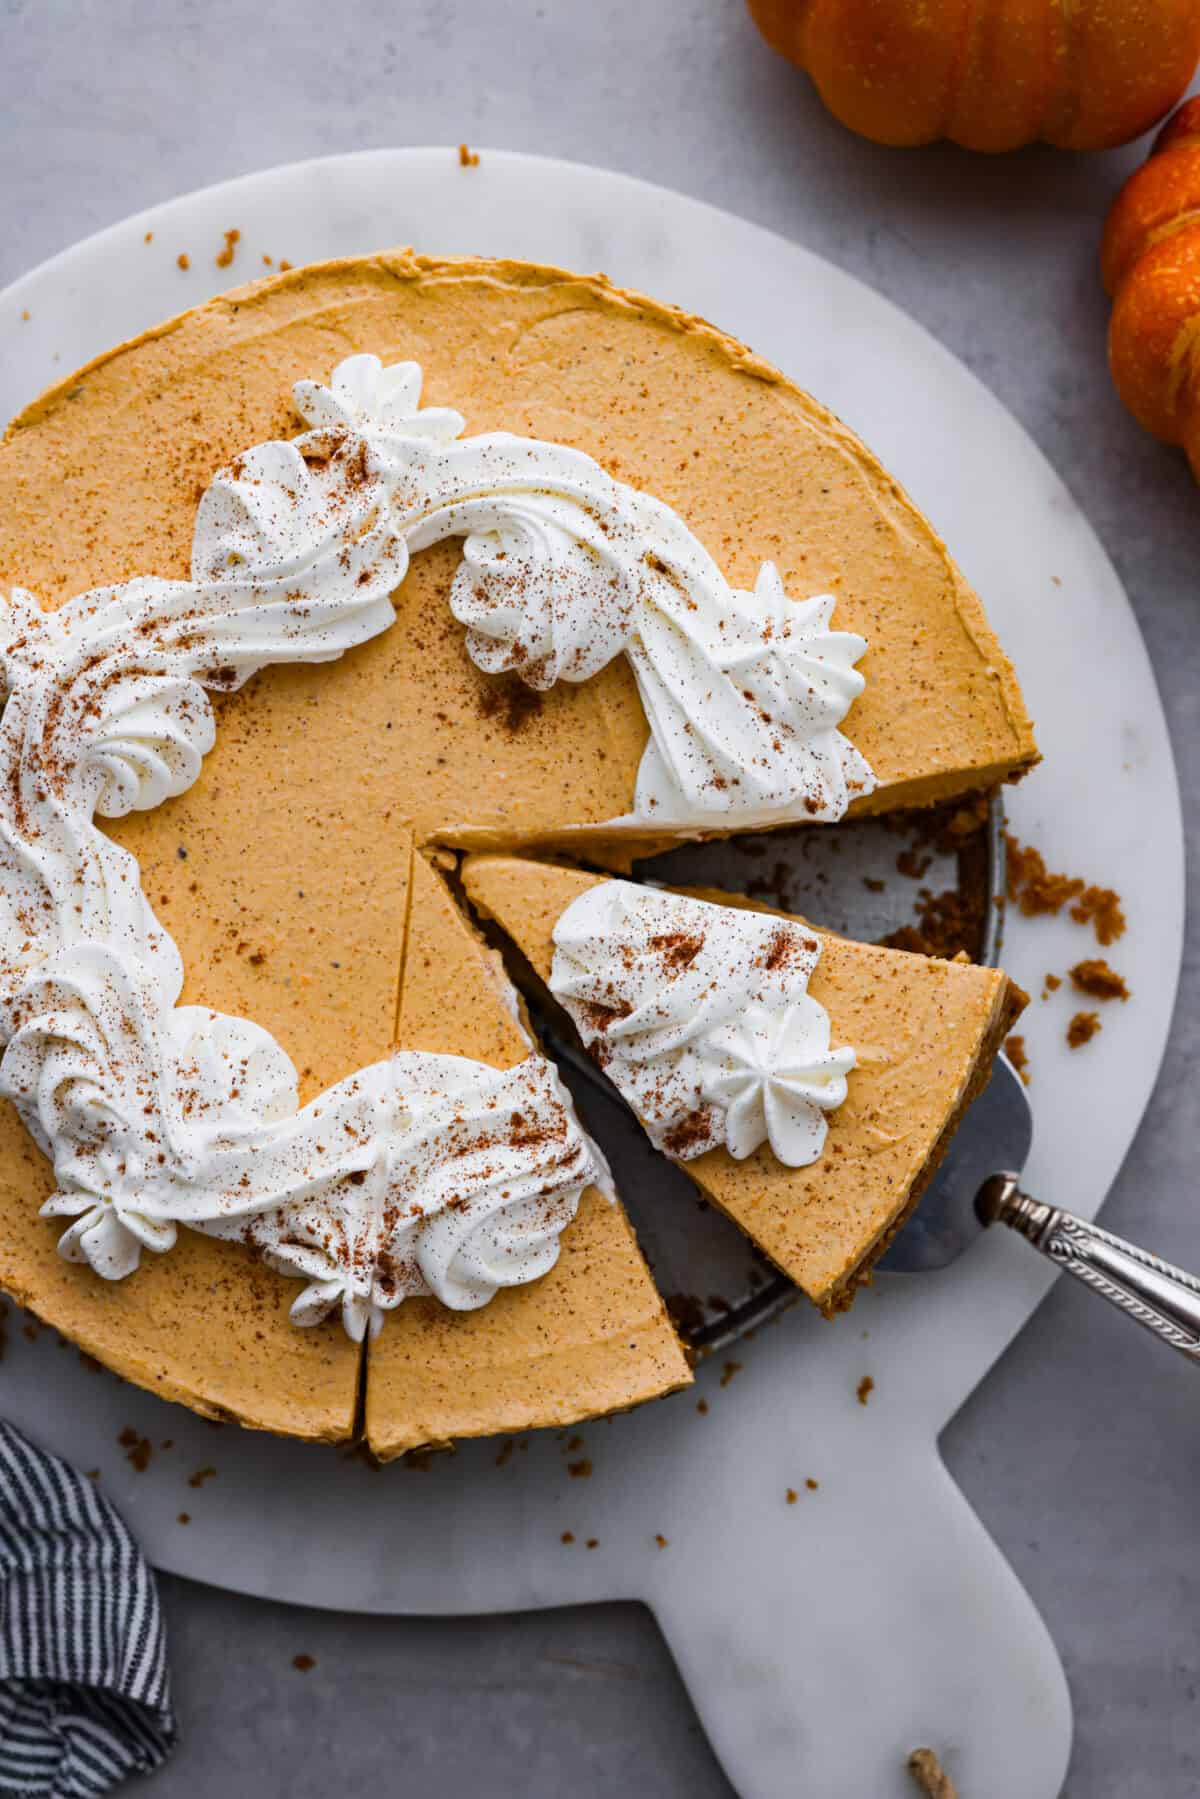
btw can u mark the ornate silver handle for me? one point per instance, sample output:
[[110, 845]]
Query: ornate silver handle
[[1160, 1297]]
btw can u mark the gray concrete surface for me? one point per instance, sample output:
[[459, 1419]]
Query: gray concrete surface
[[1082, 1451]]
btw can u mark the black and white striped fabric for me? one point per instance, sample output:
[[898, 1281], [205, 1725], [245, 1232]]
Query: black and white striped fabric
[[84, 1695]]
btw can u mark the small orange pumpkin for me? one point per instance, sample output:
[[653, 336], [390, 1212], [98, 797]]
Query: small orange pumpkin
[[1150, 261], [991, 74]]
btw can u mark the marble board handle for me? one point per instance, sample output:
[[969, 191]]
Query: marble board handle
[[812, 1674]]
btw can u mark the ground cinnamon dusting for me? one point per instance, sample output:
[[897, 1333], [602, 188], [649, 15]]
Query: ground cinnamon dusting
[[1082, 1029], [185, 1517], [930, 1776], [865, 1388], [728, 1372], [580, 1470], [512, 700], [1014, 1049], [1098, 980], [686, 1133], [568, 1536], [200, 1476], [304, 1662]]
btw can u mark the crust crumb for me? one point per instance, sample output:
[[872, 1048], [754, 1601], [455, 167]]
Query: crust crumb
[[865, 1388], [1095, 978], [930, 1775], [1082, 1029], [467, 158], [1014, 1049], [1036, 892]]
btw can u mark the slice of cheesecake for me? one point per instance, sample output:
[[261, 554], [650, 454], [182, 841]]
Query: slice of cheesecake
[[924, 1033], [590, 1337], [667, 404]]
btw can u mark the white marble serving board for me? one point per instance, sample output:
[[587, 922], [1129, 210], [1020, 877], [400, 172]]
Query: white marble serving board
[[819, 1640]]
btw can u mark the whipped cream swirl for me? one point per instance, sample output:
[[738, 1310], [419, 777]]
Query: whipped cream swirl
[[156, 1115], [701, 1016], [419, 1175], [422, 1174], [565, 568]]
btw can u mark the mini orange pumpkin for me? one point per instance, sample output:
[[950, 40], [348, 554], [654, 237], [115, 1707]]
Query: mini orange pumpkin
[[1150, 261], [991, 74]]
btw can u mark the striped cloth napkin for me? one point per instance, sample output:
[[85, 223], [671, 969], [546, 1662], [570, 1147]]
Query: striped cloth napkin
[[84, 1695]]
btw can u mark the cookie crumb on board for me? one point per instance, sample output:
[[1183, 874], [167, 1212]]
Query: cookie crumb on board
[[930, 1775], [225, 255], [1095, 978], [865, 1388], [1082, 1029], [467, 158], [1036, 892]]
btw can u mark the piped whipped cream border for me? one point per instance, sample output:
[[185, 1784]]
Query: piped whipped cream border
[[155, 1114]]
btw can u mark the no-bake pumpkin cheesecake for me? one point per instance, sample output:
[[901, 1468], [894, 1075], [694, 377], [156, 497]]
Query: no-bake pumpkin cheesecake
[[604, 581], [924, 1034]]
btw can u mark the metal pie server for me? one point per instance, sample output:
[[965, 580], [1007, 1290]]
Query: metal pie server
[[977, 1185]]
